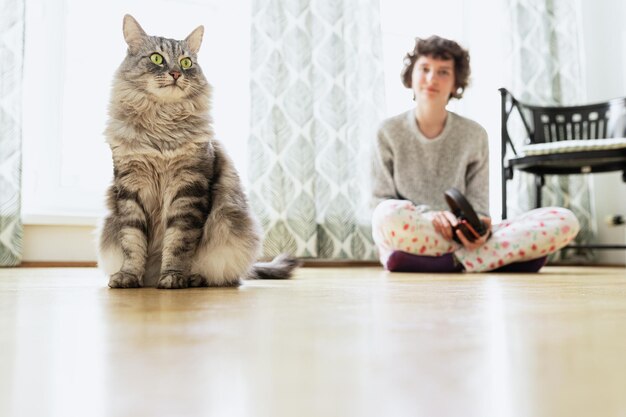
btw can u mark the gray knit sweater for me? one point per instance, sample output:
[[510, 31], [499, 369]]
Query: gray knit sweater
[[408, 166]]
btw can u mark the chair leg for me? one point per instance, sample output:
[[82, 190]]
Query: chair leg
[[539, 182], [507, 174], [504, 180]]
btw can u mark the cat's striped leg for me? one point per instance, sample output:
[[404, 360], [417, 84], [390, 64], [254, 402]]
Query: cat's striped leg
[[185, 220], [132, 230]]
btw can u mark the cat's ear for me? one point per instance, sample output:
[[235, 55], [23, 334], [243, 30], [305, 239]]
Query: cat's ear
[[133, 33], [194, 40]]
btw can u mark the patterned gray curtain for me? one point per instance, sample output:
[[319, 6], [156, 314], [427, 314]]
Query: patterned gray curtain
[[11, 56], [547, 69], [317, 94]]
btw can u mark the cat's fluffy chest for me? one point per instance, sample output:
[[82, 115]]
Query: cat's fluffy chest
[[155, 176]]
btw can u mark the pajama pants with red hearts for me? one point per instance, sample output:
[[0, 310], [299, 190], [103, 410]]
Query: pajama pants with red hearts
[[398, 225]]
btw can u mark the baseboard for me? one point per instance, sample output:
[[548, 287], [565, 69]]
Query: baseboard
[[48, 264], [305, 263], [311, 263]]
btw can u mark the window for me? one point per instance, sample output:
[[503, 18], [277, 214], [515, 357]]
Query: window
[[73, 49]]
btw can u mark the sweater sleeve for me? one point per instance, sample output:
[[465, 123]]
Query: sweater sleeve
[[477, 178], [383, 187]]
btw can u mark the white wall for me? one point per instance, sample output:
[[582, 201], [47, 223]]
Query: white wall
[[59, 243], [604, 35]]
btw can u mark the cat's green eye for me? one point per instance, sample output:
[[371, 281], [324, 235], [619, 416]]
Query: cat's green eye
[[156, 58], [185, 63]]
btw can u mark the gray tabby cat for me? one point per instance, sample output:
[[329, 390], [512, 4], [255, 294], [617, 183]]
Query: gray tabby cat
[[177, 213]]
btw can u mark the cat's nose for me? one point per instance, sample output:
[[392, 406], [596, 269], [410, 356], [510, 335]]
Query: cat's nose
[[175, 75]]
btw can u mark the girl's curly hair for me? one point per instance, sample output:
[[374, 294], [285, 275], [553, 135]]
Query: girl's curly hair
[[439, 48]]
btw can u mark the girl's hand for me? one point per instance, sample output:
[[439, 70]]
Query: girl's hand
[[443, 222], [470, 246]]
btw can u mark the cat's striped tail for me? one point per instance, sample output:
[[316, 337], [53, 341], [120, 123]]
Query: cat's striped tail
[[281, 267]]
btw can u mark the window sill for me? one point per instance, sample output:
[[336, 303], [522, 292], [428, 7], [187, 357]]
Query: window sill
[[71, 219]]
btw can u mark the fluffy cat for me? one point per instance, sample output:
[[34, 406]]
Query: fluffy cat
[[177, 213]]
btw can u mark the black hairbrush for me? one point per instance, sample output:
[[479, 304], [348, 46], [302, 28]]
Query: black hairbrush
[[468, 221]]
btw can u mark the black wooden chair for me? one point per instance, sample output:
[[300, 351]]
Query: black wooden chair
[[563, 140]]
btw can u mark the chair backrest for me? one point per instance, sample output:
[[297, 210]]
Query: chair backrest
[[558, 123]]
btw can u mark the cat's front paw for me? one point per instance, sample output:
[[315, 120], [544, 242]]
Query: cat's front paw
[[173, 280], [124, 280]]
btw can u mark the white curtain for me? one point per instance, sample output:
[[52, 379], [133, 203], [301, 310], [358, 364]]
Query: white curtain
[[11, 56], [548, 69], [317, 95]]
